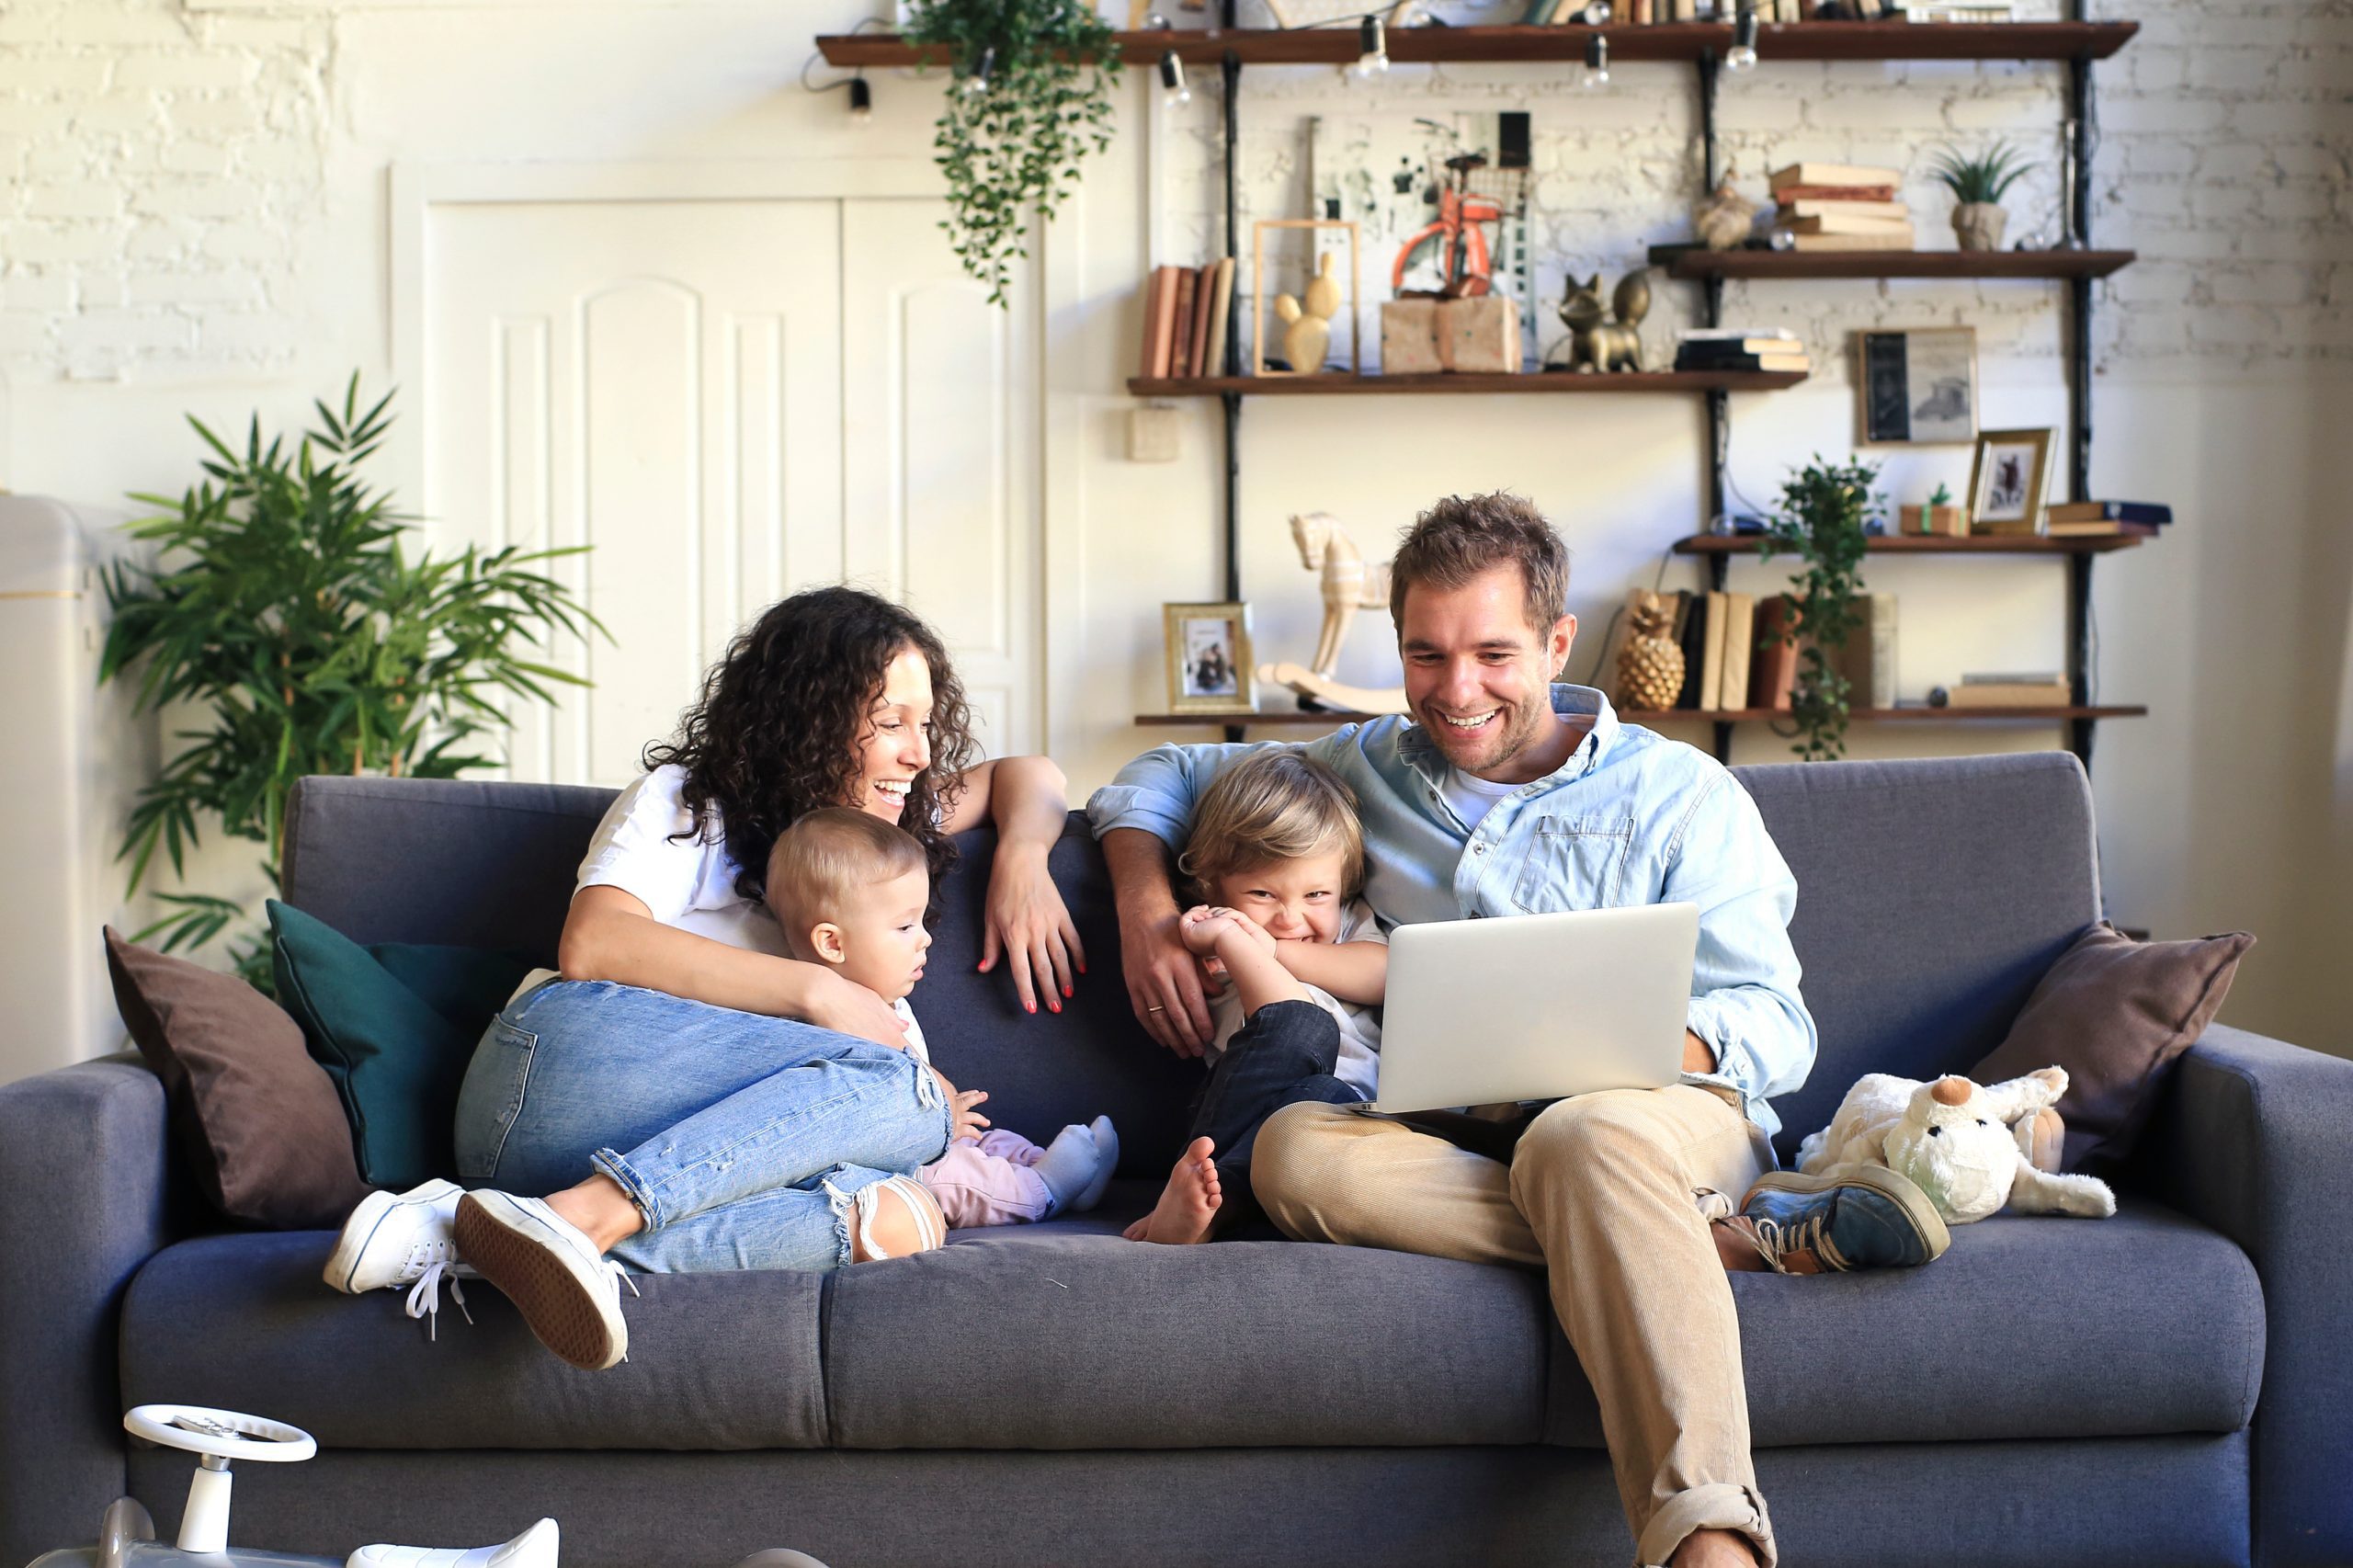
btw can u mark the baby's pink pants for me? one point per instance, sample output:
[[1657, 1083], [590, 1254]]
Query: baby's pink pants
[[987, 1181]]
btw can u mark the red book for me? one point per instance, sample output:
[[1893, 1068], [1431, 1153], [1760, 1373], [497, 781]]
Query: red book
[[1773, 668], [1790, 193], [1160, 323]]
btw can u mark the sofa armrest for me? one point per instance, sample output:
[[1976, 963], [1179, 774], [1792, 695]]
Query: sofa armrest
[[85, 1199], [2255, 1137]]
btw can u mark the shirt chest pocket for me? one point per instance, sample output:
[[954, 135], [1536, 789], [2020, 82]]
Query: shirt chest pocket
[[1575, 863]]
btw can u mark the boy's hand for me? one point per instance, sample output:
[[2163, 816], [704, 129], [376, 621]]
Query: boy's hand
[[1241, 926], [1198, 927]]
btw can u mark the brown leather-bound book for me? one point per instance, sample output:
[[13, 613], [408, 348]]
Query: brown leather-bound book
[[1836, 193], [1180, 346], [1161, 317], [1204, 302], [1773, 668]]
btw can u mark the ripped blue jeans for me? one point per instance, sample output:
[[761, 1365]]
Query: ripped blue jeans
[[746, 1136]]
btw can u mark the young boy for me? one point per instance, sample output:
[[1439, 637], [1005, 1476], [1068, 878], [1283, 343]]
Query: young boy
[[850, 890], [1277, 852]]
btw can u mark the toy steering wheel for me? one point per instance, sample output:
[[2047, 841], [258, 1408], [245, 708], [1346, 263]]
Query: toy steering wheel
[[215, 1437]]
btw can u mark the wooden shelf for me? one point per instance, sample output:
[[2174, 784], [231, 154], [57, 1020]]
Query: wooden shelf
[[1345, 385], [1933, 544], [1670, 41], [1922, 714], [1278, 716], [1683, 262]]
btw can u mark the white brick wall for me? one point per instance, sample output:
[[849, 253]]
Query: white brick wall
[[157, 166]]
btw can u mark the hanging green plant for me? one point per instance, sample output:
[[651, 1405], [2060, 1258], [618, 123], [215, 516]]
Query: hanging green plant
[[1030, 96], [1824, 521]]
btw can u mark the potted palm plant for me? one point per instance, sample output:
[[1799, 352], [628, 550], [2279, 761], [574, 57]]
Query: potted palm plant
[[1978, 186], [286, 617]]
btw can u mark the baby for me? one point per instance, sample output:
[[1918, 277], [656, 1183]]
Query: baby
[[1276, 853], [850, 890]]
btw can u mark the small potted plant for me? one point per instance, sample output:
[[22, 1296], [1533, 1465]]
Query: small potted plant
[[1825, 520], [1978, 184], [1939, 515]]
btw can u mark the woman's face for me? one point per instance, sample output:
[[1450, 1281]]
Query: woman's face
[[895, 743]]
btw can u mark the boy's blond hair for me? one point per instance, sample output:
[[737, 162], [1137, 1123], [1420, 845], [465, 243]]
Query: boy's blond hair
[[1274, 805], [827, 859]]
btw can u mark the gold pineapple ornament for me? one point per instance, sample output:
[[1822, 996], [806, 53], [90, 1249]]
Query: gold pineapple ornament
[[1650, 667]]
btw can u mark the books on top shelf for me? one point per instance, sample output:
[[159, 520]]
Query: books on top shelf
[[1826, 177], [1185, 313], [2092, 519], [2035, 689], [1741, 348]]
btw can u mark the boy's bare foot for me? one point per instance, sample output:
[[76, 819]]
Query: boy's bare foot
[[1186, 1204]]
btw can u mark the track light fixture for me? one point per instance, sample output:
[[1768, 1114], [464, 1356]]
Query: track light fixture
[[983, 68], [861, 100], [1373, 47]]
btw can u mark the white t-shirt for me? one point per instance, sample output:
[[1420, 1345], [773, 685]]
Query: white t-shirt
[[1360, 1064], [1471, 798], [690, 882]]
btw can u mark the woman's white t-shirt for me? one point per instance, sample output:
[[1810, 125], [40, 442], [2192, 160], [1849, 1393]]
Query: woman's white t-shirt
[[688, 882]]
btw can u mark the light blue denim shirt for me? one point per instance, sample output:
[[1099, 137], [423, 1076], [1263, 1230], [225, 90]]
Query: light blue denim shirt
[[1631, 818]]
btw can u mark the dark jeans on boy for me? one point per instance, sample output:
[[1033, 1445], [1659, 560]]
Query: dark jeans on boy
[[1284, 1054]]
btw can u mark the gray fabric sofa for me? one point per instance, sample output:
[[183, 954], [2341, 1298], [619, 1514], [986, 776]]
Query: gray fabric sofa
[[2171, 1386]]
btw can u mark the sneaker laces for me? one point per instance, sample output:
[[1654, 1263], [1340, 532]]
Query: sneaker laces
[[1776, 1240], [424, 1296]]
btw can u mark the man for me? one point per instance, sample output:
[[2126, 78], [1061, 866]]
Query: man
[[1508, 794]]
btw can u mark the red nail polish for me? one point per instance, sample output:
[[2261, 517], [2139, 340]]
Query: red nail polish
[[1065, 990], [1032, 1007], [1054, 1006]]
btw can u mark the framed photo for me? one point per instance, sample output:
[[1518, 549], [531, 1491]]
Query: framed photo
[[1919, 386], [2006, 482], [1210, 668]]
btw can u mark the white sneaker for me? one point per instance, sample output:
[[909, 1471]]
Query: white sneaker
[[405, 1238], [563, 1287], [535, 1548]]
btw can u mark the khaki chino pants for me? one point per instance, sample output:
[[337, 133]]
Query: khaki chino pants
[[1611, 1195]]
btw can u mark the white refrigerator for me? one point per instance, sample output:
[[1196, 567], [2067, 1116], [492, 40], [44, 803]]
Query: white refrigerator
[[71, 760]]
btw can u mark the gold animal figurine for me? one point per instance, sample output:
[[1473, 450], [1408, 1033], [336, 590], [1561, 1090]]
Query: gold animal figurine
[[1307, 333], [1597, 345], [1351, 584]]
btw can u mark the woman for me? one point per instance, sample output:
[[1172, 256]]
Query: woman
[[767, 1117]]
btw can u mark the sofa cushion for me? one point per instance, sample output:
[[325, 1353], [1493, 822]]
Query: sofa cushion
[[2030, 1326], [244, 1323], [255, 1118], [2115, 1012]]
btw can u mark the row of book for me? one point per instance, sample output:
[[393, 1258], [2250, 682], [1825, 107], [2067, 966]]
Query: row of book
[[1839, 207], [2037, 688], [1741, 348], [1736, 653], [1642, 13], [2092, 519], [1185, 311]]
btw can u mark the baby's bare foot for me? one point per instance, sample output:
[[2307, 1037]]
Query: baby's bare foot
[[1186, 1204]]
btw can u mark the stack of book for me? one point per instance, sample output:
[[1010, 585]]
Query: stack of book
[[1831, 206], [1185, 311], [2037, 688], [2083, 519], [1741, 348]]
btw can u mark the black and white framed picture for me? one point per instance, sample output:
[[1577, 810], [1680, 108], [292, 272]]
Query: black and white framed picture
[[1919, 386], [2006, 481], [1209, 658]]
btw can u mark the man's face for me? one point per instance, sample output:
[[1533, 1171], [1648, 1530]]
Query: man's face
[[1478, 677]]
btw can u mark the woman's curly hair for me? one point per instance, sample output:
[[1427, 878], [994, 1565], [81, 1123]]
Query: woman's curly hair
[[777, 729]]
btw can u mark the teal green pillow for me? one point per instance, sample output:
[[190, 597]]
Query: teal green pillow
[[394, 1025]]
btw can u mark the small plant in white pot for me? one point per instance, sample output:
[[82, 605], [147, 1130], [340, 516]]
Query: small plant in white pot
[[1978, 184]]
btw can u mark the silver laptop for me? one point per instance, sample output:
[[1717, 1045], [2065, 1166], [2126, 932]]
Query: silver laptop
[[1536, 1007]]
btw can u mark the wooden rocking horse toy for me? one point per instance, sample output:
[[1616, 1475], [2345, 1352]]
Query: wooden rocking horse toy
[[1351, 584]]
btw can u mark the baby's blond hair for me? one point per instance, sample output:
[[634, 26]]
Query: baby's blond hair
[[825, 860], [1271, 806]]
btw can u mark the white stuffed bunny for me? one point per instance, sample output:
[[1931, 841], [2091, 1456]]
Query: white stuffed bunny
[[1969, 1148]]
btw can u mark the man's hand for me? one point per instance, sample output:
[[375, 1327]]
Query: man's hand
[[1698, 1056], [1165, 983]]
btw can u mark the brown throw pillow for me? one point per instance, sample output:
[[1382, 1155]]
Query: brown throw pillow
[[256, 1119], [2115, 1012]]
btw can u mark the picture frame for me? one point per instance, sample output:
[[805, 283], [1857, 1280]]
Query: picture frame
[[2007, 479], [1211, 666], [1917, 386], [1261, 305]]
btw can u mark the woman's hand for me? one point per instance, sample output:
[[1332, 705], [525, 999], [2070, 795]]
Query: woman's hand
[[1028, 924], [847, 1007], [1165, 983]]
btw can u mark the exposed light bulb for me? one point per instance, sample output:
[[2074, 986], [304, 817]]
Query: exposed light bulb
[[861, 101], [1596, 74], [1174, 88], [1373, 47], [978, 81], [1743, 54]]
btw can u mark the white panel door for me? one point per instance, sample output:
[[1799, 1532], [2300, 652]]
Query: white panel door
[[940, 455], [660, 381]]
